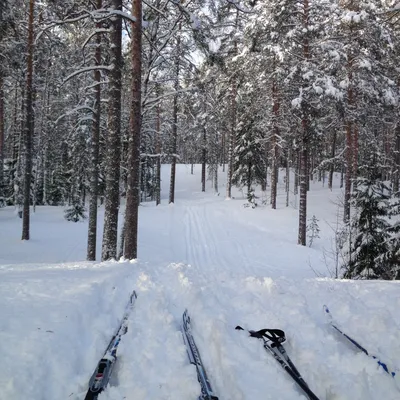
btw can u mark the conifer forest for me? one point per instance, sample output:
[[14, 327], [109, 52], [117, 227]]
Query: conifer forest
[[97, 95]]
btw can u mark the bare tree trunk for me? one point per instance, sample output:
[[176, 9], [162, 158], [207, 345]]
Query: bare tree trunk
[[348, 174], [232, 133], [216, 178], [94, 178], [1, 133], [355, 151], [41, 139], [158, 151], [110, 232], [249, 179], [2, 116], [204, 161], [396, 174], [303, 195], [231, 142], [223, 145], [287, 177], [274, 164], [296, 173], [349, 128], [175, 120], [304, 162], [132, 197], [29, 127], [332, 166]]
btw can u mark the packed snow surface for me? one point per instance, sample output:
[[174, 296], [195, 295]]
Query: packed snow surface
[[228, 265]]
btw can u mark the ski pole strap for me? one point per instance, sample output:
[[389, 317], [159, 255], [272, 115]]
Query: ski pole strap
[[276, 336]]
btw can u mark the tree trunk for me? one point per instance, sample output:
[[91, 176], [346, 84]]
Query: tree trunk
[[274, 164], [396, 174], [204, 161], [303, 195], [175, 120], [1, 134], [287, 177], [223, 145], [296, 174], [349, 134], [158, 151], [2, 116], [216, 178], [355, 151], [29, 127], [231, 142], [348, 174], [332, 166], [249, 179], [304, 162], [113, 155], [94, 178], [132, 198]]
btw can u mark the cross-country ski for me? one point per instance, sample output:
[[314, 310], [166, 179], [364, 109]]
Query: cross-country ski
[[102, 374], [334, 325], [195, 359]]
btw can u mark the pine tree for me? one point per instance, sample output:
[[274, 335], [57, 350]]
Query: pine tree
[[110, 232], [133, 196]]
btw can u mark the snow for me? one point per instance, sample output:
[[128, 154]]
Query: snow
[[229, 265]]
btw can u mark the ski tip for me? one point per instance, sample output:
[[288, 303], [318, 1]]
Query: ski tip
[[239, 328], [185, 316], [326, 309]]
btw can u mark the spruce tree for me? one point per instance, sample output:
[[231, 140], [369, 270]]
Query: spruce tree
[[368, 256]]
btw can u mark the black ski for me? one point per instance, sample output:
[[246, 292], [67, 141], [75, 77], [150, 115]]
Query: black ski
[[194, 358], [101, 375], [273, 340]]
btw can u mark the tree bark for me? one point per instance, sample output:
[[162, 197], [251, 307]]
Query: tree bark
[[133, 195], [2, 116], [355, 151], [296, 174], [304, 166], [94, 178], [110, 232], [396, 174], [231, 142], [287, 176], [332, 166], [204, 161], [275, 133], [29, 127], [174, 133], [158, 151], [303, 195], [1, 133]]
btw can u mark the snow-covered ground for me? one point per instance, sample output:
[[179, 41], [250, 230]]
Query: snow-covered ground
[[229, 265]]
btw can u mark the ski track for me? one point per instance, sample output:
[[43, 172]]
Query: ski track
[[199, 281]]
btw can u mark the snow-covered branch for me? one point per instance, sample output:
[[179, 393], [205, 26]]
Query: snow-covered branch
[[75, 110], [96, 32], [88, 69]]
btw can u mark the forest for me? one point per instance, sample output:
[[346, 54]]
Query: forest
[[96, 95]]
